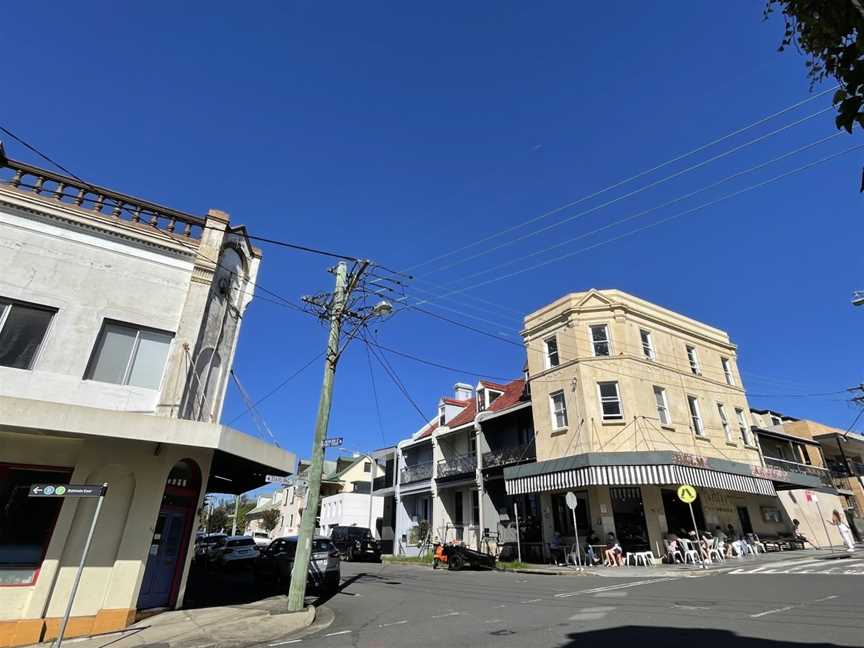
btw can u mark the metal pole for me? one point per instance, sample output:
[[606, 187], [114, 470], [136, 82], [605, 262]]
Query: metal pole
[[236, 510], [696, 531], [371, 482], [59, 641], [518, 539], [576, 531], [297, 590], [824, 526]]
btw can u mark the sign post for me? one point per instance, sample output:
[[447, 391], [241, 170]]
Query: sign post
[[335, 442], [518, 539], [573, 502], [687, 494], [73, 490]]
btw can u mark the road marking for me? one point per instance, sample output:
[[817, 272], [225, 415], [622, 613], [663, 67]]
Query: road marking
[[761, 614], [449, 614], [531, 601], [387, 625], [341, 632], [792, 607], [282, 643], [775, 565], [494, 621], [503, 605], [609, 588]]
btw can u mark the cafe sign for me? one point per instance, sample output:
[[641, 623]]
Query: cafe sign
[[766, 472], [684, 459]]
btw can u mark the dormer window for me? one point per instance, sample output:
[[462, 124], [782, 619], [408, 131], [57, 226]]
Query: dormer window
[[776, 420], [492, 395], [481, 400], [485, 397], [441, 418]]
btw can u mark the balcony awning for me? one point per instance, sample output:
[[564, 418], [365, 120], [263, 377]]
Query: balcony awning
[[636, 469]]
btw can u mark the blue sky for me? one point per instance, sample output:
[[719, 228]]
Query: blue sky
[[400, 133]]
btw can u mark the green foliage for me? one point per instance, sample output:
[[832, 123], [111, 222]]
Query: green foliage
[[829, 33], [269, 519], [218, 520]]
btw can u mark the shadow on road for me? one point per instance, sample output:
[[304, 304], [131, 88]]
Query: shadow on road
[[662, 637]]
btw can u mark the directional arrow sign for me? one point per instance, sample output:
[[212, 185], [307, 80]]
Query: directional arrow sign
[[335, 442], [66, 490]]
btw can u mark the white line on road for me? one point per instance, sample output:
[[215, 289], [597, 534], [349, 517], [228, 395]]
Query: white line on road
[[609, 588], [792, 607], [494, 621], [387, 625], [449, 614], [282, 643], [531, 601], [341, 632]]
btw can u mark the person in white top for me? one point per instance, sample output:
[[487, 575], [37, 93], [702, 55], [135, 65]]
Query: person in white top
[[843, 528]]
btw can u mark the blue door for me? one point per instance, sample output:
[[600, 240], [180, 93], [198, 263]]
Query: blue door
[[162, 560]]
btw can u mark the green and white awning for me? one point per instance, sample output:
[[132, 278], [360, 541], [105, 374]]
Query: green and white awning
[[633, 469]]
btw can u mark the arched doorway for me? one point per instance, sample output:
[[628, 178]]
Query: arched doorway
[[169, 544]]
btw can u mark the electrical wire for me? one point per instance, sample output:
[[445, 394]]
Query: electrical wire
[[396, 381], [641, 174], [375, 395]]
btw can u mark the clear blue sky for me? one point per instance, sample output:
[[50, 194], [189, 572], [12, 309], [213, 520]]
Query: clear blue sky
[[399, 133]]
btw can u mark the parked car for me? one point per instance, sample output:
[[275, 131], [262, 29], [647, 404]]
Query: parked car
[[261, 538], [204, 543], [355, 543], [233, 550], [275, 562]]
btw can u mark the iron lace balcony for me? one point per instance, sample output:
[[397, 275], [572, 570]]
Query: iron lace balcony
[[457, 465], [415, 473], [509, 455]]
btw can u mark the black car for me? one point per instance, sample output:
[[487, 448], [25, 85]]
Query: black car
[[355, 543], [275, 562]]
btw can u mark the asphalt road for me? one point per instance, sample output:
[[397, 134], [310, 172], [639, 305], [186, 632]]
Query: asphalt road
[[394, 605]]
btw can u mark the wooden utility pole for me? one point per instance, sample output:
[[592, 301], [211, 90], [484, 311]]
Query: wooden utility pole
[[336, 311]]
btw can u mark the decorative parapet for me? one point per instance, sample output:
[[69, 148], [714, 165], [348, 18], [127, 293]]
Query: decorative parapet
[[98, 200]]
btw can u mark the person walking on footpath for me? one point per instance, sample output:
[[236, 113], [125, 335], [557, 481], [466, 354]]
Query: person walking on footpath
[[843, 528]]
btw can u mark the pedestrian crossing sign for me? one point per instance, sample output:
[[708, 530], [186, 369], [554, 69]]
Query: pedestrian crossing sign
[[686, 493]]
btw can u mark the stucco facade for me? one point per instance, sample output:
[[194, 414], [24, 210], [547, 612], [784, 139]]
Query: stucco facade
[[123, 385]]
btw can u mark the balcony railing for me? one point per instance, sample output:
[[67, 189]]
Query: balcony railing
[[99, 200], [380, 483], [415, 473], [791, 466], [457, 465], [509, 455]]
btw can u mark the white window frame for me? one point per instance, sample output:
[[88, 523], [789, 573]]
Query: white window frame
[[697, 423], [133, 354], [553, 412], [647, 344], [591, 341], [727, 371], [693, 360], [548, 355], [601, 399], [724, 422], [746, 432], [663, 414]]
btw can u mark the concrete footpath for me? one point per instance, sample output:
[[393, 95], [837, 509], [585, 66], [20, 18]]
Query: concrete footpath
[[263, 621], [665, 571]]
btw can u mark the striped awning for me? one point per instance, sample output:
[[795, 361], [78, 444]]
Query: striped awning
[[667, 474]]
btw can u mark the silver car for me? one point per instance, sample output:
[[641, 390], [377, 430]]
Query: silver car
[[233, 550]]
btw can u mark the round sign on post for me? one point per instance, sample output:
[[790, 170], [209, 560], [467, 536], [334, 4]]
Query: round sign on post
[[686, 493], [571, 500]]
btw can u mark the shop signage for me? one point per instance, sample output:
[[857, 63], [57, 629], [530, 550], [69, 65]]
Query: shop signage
[[684, 459], [66, 490], [766, 472]]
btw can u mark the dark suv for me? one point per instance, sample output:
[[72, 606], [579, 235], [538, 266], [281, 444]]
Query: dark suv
[[355, 543]]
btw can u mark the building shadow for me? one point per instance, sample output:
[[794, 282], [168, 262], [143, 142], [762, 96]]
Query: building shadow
[[663, 637]]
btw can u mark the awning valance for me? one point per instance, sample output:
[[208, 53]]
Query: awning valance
[[633, 469]]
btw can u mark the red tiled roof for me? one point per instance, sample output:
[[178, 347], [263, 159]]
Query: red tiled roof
[[492, 385], [428, 431], [514, 394], [465, 416]]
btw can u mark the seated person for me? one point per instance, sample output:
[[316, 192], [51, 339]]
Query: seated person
[[799, 535], [613, 554], [590, 540], [673, 549]]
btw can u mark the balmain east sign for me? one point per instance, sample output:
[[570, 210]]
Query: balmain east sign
[[684, 459], [66, 490]]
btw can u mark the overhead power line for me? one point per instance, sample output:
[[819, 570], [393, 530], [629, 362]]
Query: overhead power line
[[620, 183], [656, 183], [692, 210]]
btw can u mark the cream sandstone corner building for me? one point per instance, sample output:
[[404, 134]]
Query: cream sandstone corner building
[[119, 319], [631, 400]]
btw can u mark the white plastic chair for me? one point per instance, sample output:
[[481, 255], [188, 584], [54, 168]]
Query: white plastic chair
[[715, 551]]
